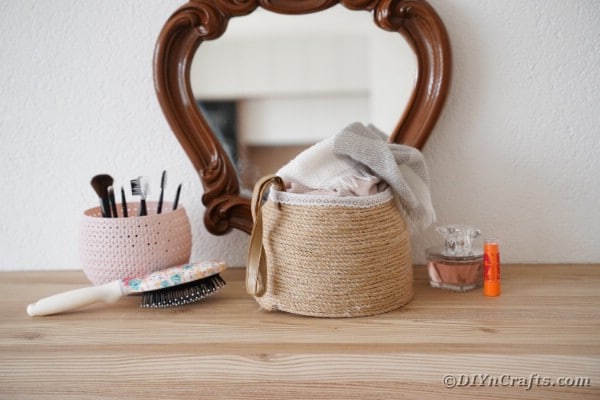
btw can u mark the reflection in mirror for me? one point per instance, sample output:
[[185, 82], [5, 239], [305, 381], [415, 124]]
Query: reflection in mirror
[[343, 68], [198, 22]]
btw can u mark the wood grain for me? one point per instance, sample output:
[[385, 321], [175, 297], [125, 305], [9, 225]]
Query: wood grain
[[547, 322]]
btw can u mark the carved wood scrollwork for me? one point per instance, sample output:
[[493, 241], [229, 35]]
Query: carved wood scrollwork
[[200, 20]]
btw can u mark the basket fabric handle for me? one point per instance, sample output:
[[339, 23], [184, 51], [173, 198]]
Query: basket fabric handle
[[256, 271]]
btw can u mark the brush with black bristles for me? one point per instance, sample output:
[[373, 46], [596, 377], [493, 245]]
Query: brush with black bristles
[[101, 183], [140, 187], [180, 295], [175, 286]]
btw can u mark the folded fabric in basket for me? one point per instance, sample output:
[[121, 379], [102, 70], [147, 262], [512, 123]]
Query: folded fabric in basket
[[359, 161]]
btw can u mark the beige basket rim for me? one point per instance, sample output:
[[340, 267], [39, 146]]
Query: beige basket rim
[[328, 200]]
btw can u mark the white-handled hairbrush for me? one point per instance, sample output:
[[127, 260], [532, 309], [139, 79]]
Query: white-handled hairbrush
[[170, 287]]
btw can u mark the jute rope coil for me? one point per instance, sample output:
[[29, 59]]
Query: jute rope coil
[[328, 260]]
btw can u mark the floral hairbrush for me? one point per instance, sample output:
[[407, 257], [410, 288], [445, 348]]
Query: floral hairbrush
[[175, 286]]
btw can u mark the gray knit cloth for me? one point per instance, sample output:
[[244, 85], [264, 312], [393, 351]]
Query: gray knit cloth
[[400, 166], [358, 151]]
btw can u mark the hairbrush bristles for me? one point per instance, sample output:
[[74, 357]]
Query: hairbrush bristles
[[180, 295]]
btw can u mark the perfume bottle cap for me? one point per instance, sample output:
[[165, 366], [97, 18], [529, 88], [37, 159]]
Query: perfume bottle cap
[[458, 239]]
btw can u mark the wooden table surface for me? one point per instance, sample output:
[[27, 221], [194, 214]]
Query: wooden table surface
[[539, 340]]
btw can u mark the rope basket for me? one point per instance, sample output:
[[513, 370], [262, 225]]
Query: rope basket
[[328, 256]]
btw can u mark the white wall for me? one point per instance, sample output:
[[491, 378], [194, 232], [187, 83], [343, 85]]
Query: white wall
[[515, 152], [334, 67], [78, 99]]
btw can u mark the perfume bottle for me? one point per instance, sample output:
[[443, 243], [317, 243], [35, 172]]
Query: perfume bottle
[[456, 265]]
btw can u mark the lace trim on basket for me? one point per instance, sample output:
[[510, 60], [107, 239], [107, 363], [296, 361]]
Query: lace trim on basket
[[331, 201]]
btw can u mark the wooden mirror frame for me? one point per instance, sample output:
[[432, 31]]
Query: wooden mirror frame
[[200, 20]]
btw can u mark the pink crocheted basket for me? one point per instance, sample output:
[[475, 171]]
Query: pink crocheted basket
[[118, 248]]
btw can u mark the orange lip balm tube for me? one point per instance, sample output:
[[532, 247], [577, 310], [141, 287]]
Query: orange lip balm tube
[[491, 268]]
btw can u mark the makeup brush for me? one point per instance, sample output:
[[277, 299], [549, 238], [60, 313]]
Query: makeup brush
[[175, 286], [163, 183], [101, 183], [112, 201], [124, 203], [140, 187], [176, 202]]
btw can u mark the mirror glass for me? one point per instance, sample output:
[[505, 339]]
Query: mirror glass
[[275, 84]]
